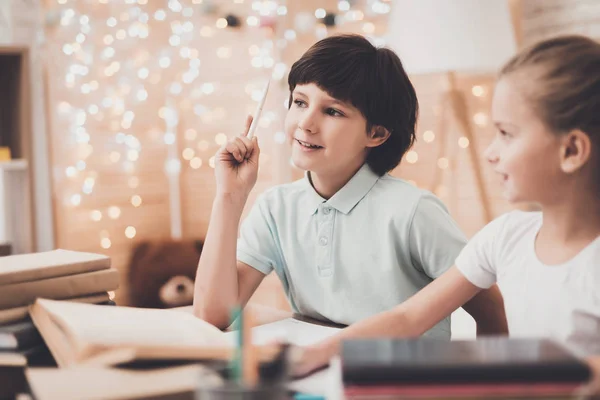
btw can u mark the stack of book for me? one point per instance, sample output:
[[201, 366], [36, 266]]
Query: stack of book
[[57, 274], [485, 368]]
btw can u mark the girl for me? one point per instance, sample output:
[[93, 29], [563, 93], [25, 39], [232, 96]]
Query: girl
[[546, 109]]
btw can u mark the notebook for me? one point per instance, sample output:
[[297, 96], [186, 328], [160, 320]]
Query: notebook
[[95, 383], [18, 314], [494, 360], [61, 287], [49, 264]]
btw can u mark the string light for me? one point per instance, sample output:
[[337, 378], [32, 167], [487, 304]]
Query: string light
[[203, 145], [412, 157], [190, 134], [443, 163], [220, 139], [196, 162], [136, 200], [96, 215], [111, 79], [188, 154], [463, 142], [114, 212], [480, 119], [130, 232], [478, 91], [428, 136], [133, 182]]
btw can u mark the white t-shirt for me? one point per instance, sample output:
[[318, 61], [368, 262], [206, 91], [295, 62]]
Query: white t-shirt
[[561, 302]]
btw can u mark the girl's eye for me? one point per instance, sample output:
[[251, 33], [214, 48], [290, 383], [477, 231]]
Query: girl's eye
[[503, 133], [333, 112], [299, 103]]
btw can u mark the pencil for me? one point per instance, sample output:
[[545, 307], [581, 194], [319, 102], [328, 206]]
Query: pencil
[[249, 356], [236, 361], [256, 116]]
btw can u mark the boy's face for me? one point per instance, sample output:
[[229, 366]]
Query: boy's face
[[328, 137], [524, 153]]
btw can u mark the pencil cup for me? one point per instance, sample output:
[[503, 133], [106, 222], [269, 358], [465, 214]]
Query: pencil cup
[[233, 391]]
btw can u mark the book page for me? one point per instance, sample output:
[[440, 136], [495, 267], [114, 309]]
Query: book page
[[290, 330], [134, 327]]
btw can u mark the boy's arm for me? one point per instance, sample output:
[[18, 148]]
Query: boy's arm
[[487, 309], [222, 282], [410, 319]]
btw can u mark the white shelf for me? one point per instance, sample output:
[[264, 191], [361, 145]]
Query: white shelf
[[18, 164]]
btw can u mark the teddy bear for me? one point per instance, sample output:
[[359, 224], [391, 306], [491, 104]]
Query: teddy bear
[[161, 273]]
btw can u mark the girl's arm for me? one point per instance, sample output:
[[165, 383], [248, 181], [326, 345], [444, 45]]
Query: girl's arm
[[487, 309], [412, 318]]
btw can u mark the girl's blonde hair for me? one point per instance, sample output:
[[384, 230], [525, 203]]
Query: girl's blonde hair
[[561, 80]]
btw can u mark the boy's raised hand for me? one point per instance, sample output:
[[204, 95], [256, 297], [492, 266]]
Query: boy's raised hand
[[236, 164]]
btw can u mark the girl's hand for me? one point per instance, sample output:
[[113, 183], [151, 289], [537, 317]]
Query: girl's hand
[[236, 164]]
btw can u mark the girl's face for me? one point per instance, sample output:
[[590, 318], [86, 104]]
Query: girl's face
[[524, 152]]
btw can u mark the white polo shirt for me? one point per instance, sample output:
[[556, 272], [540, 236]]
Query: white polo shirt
[[371, 246]]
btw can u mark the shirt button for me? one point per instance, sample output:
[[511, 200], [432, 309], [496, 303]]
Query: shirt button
[[326, 210], [323, 241]]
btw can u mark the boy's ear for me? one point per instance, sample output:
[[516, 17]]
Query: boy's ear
[[378, 136], [575, 151]]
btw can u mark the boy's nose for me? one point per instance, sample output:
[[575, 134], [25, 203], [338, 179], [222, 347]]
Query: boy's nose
[[307, 124]]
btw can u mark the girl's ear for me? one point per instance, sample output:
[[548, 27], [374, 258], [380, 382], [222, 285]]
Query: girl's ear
[[575, 151], [378, 136]]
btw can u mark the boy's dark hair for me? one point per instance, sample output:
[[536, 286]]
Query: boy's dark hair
[[349, 68]]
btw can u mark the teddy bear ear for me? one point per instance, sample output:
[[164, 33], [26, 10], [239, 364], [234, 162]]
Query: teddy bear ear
[[199, 244]]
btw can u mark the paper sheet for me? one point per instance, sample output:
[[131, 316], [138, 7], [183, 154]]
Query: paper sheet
[[302, 334]]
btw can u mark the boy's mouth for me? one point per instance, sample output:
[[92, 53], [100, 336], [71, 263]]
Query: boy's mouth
[[308, 145]]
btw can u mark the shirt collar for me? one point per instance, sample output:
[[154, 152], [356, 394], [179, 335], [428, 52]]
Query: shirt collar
[[348, 196]]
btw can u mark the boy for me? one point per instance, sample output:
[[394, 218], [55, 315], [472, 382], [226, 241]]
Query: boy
[[348, 241]]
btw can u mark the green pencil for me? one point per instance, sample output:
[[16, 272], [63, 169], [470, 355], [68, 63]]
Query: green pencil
[[236, 362]]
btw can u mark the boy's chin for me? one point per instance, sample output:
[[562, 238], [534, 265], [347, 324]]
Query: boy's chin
[[302, 164]]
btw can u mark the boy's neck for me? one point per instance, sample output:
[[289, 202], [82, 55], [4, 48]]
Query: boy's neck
[[328, 184]]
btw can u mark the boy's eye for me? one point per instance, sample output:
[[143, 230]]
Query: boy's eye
[[299, 103], [333, 112]]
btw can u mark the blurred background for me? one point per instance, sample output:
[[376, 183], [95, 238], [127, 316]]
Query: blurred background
[[112, 111]]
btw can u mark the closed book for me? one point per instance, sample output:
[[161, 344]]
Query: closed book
[[62, 287], [18, 314], [494, 360], [49, 264], [93, 383], [20, 335]]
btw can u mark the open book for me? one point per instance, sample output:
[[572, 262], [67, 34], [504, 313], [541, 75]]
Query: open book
[[78, 333]]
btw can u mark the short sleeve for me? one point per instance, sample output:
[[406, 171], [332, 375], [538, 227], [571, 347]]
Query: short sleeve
[[435, 239], [477, 262], [257, 245]]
